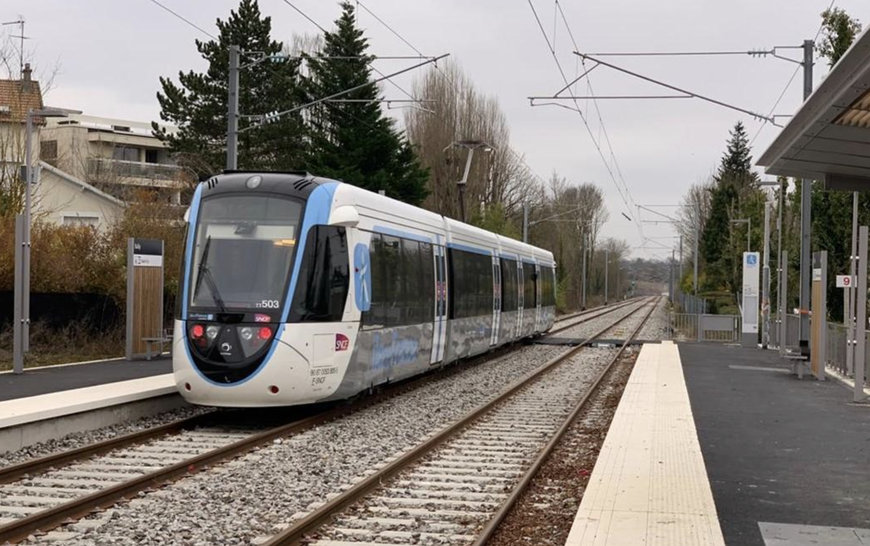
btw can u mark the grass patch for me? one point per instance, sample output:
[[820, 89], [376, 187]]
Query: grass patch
[[59, 346]]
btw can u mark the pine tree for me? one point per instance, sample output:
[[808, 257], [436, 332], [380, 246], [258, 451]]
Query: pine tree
[[352, 140], [735, 195], [198, 106]]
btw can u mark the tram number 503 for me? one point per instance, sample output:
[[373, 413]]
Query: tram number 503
[[268, 304]]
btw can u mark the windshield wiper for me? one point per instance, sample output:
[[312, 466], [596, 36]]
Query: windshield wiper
[[204, 273]]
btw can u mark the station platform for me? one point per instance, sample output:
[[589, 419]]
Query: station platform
[[717, 444], [49, 402]]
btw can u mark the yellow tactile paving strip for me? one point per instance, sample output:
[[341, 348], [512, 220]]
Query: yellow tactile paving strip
[[650, 485]]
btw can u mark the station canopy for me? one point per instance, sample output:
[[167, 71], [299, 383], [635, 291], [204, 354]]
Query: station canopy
[[828, 139]]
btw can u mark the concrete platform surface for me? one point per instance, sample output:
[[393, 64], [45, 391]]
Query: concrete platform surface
[[45, 380], [788, 459], [649, 485]]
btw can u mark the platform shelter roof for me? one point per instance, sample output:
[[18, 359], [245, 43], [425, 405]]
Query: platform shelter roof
[[828, 139]]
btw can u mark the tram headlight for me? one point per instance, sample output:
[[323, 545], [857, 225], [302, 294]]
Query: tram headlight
[[211, 332], [246, 333]]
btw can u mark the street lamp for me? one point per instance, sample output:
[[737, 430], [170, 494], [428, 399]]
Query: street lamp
[[470, 145], [21, 326], [747, 221]]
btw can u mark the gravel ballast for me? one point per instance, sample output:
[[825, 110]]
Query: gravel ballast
[[255, 494]]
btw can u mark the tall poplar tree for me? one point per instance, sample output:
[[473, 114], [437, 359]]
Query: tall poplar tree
[[352, 140], [197, 105]]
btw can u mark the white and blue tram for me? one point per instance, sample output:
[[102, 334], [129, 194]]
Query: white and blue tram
[[297, 289]]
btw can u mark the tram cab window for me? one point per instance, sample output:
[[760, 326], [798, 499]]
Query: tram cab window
[[322, 286]]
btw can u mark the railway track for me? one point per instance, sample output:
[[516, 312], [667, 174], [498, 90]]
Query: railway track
[[458, 485], [569, 321], [41, 494]]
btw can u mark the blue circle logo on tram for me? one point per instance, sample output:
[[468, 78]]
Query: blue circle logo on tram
[[362, 277]]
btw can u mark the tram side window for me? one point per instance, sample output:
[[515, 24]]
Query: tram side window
[[470, 284], [548, 294], [322, 285], [402, 282], [509, 293], [529, 292]]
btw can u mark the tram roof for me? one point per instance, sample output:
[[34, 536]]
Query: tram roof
[[828, 139]]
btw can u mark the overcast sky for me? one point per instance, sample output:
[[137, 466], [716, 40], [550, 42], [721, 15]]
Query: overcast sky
[[108, 55]]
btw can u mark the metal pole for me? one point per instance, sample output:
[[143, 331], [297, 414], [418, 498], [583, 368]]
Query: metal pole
[[748, 233], [851, 292], [18, 321], [583, 294], [606, 259], [233, 110], [681, 259], [462, 183], [860, 347], [822, 316], [806, 190], [697, 236], [783, 283], [525, 222], [765, 280], [780, 297], [672, 275]]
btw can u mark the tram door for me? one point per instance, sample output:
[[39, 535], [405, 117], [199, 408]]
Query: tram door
[[439, 332], [520, 296], [496, 299]]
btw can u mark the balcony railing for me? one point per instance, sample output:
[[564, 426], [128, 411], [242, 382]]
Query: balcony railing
[[103, 169]]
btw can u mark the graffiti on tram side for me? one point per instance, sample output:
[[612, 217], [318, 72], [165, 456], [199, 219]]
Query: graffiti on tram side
[[393, 351]]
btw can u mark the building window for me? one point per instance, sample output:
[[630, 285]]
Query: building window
[[125, 153], [48, 151], [151, 156], [69, 220]]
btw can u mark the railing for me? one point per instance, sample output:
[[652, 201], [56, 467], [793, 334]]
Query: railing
[[100, 167], [702, 327], [688, 303]]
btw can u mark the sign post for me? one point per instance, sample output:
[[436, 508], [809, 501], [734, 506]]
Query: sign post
[[144, 296], [818, 320], [751, 271]]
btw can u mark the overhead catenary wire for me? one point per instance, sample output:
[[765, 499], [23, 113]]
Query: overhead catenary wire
[[378, 72], [595, 143], [277, 115], [212, 36], [789, 82]]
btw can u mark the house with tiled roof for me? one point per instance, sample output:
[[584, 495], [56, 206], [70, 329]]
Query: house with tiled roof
[[17, 97], [86, 167]]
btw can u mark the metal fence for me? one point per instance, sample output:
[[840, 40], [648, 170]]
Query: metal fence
[[704, 327], [688, 303], [726, 329]]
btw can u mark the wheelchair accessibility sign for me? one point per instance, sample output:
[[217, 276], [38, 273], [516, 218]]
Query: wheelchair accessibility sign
[[751, 258]]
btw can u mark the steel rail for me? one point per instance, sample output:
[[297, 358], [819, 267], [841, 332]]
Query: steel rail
[[505, 508], [586, 318], [295, 533], [53, 517], [615, 305], [11, 473]]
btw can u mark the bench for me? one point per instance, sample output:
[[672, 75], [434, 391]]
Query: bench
[[155, 342]]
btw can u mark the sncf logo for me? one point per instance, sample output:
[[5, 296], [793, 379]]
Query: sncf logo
[[341, 342]]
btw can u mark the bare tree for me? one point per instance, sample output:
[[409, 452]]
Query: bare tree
[[498, 177], [694, 212]]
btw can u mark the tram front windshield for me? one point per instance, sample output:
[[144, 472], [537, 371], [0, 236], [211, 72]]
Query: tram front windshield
[[242, 254]]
